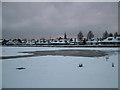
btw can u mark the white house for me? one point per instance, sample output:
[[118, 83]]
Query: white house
[[92, 42], [111, 40], [59, 41]]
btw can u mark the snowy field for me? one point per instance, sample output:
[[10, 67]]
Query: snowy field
[[59, 71]]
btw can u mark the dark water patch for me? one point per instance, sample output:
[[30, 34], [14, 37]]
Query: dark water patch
[[78, 53], [14, 57], [84, 53]]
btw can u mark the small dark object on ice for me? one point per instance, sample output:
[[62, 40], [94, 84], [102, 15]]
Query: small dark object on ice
[[107, 58], [80, 65], [20, 68], [113, 65]]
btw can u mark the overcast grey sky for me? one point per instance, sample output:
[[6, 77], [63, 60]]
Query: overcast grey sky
[[50, 19]]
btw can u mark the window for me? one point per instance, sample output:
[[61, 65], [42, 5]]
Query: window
[[110, 39], [118, 38]]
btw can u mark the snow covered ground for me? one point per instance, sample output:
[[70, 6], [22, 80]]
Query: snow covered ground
[[59, 71]]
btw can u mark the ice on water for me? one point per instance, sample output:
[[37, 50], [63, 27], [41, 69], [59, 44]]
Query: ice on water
[[59, 71]]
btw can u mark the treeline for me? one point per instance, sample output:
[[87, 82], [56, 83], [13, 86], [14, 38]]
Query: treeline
[[90, 35]]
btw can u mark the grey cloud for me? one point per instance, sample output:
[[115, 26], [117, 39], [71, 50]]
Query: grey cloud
[[50, 19]]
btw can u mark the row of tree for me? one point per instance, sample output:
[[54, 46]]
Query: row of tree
[[90, 35]]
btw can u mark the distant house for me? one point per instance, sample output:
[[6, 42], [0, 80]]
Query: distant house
[[74, 41], [42, 42], [1, 41], [111, 40], [30, 42], [92, 41], [4, 41], [24, 41], [59, 42], [17, 41], [10, 42]]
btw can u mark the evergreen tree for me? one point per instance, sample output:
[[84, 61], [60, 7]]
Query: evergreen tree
[[4, 42], [105, 35], [90, 35], [80, 35], [65, 36], [19, 40], [59, 38], [110, 35], [115, 34], [71, 40]]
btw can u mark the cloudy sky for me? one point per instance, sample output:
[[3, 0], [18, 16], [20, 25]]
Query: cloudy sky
[[53, 19]]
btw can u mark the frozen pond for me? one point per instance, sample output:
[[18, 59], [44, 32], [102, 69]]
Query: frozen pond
[[59, 71]]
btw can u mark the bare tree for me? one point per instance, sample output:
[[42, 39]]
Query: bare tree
[[90, 35], [80, 35], [105, 35]]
